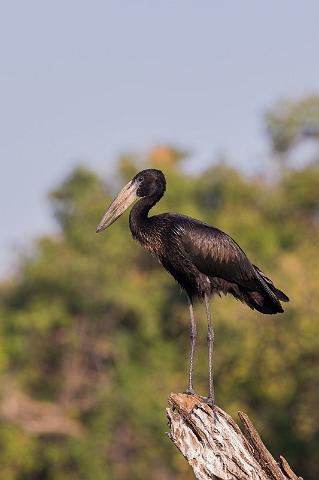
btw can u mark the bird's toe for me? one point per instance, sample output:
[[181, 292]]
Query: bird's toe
[[210, 401], [189, 391]]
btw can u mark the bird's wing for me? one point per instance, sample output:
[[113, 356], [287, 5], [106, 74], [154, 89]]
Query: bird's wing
[[216, 254]]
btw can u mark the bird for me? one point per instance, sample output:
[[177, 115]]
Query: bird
[[202, 259]]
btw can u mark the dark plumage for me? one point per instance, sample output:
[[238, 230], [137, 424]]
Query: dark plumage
[[202, 259]]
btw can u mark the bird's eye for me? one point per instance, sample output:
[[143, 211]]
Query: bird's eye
[[140, 180]]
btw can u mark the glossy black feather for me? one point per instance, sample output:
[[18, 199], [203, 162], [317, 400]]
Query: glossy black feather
[[202, 258]]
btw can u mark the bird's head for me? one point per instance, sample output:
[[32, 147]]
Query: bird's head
[[147, 183]]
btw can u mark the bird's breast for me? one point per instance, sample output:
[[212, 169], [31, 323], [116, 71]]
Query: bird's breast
[[151, 240]]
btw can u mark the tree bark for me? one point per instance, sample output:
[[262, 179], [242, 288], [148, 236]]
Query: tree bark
[[215, 447]]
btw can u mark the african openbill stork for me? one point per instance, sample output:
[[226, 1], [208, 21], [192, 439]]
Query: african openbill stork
[[203, 259]]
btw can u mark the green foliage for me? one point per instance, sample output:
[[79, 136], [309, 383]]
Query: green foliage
[[92, 326], [289, 123]]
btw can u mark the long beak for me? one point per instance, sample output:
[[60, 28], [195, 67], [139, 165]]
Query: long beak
[[124, 199]]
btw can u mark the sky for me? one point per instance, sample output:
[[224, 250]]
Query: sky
[[87, 81]]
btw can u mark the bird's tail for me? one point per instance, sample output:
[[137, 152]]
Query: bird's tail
[[266, 300]]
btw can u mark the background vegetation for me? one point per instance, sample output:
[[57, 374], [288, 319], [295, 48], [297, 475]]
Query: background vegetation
[[94, 334]]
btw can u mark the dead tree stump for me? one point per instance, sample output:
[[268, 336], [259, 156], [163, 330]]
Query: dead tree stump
[[215, 447]]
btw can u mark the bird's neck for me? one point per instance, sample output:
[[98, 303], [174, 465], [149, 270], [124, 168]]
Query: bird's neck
[[139, 220]]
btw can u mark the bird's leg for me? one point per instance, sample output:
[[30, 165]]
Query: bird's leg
[[193, 337], [210, 342]]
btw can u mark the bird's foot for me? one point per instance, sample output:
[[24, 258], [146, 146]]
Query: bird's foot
[[210, 401], [189, 391]]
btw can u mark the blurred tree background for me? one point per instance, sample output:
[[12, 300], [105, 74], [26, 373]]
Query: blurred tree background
[[95, 332]]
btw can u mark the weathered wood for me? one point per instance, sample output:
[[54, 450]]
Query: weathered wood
[[215, 447]]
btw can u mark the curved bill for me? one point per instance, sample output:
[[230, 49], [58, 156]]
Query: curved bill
[[124, 199]]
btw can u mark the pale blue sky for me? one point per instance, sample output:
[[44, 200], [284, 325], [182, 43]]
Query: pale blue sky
[[89, 80]]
